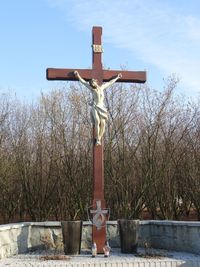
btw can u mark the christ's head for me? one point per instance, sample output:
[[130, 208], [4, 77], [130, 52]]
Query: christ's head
[[93, 83]]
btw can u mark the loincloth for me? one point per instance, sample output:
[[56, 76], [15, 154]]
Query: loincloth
[[102, 112]]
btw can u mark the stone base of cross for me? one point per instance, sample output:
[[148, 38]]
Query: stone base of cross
[[99, 211]]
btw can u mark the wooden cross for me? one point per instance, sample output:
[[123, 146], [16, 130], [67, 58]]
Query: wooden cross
[[97, 72]]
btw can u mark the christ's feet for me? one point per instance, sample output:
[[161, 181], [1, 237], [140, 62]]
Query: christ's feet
[[98, 142]]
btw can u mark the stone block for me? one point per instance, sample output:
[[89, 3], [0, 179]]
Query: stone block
[[86, 239], [8, 250], [46, 238], [58, 239], [112, 234], [5, 237]]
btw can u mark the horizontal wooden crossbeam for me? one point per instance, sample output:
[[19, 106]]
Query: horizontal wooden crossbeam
[[68, 75]]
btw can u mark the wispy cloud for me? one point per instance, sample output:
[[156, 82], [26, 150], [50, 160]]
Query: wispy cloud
[[158, 32]]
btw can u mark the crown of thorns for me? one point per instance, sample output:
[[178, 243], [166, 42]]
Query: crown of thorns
[[93, 80]]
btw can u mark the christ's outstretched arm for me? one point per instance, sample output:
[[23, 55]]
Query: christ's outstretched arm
[[77, 75], [111, 82]]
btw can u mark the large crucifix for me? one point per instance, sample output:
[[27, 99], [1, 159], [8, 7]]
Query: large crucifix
[[100, 75]]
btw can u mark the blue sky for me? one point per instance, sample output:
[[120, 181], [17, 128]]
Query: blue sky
[[162, 37]]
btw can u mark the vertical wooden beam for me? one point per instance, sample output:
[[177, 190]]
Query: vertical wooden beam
[[98, 235]]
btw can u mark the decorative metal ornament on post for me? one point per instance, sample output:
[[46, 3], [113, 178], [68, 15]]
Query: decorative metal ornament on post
[[97, 72], [99, 216]]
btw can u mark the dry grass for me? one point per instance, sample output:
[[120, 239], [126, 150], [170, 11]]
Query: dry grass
[[55, 257]]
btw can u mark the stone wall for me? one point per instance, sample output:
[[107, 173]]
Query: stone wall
[[173, 235], [14, 239]]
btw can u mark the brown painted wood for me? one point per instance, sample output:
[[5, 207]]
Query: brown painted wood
[[98, 236], [67, 74], [97, 69], [97, 72], [127, 76], [87, 74]]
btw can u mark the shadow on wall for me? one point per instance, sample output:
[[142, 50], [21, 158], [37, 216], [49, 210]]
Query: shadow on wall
[[23, 239]]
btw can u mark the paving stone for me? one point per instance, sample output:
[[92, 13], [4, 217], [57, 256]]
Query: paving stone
[[161, 258]]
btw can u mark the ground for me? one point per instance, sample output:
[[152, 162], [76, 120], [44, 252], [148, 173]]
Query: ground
[[160, 258]]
